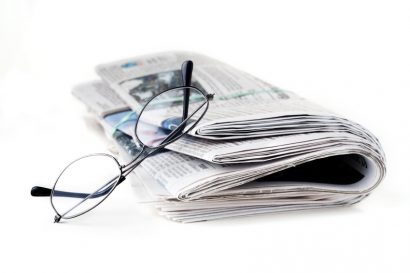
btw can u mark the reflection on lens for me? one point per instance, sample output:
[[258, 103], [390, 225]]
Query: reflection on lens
[[84, 184], [168, 115]]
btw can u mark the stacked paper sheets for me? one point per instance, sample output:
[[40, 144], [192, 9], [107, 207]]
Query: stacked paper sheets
[[259, 149]]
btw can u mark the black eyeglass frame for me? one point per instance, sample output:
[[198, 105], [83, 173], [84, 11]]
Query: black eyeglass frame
[[125, 170]]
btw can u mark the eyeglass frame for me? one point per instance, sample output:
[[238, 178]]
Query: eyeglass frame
[[125, 170]]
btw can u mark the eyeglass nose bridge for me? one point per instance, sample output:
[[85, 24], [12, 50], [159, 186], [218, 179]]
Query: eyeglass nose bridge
[[210, 96]]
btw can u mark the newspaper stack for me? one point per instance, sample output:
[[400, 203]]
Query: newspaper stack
[[259, 148]]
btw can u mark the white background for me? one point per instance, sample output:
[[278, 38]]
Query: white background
[[350, 56]]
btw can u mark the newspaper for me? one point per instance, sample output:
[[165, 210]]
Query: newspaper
[[283, 153]]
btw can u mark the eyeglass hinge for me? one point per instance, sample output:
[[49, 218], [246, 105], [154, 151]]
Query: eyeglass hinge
[[57, 218]]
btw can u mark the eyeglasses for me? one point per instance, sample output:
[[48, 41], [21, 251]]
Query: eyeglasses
[[87, 181]]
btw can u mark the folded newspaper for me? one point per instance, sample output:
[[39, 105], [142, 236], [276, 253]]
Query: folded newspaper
[[259, 148]]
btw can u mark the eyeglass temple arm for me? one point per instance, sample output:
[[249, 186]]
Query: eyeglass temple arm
[[42, 191], [186, 70]]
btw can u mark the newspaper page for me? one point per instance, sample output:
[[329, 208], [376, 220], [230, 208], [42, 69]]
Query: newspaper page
[[100, 98], [138, 79], [233, 151]]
